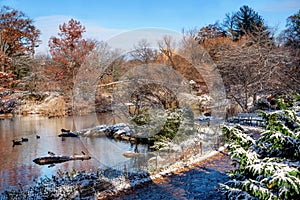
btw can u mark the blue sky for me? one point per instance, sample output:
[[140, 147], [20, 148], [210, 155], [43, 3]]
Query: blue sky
[[104, 19]]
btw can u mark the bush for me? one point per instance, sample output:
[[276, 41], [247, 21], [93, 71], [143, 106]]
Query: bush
[[268, 167], [169, 129]]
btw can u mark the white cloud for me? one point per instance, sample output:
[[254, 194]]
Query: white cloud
[[49, 26], [94, 31], [127, 39], [116, 38]]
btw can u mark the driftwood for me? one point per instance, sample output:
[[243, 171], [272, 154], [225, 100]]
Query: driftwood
[[46, 160]]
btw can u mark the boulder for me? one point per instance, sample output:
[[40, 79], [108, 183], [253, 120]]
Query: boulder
[[116, 131], [122, 132], [126, 138], [7, 105], [95, 132], [121, 127]]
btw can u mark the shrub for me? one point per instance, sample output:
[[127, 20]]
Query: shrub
[[268, 167]]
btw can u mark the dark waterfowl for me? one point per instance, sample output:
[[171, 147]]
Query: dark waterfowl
[[38, 137], [24, 139], [65, 130], [51, 153], [16, 142], [68, 134], [51, 165]]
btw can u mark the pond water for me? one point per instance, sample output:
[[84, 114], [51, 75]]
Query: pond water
[[16, 163]]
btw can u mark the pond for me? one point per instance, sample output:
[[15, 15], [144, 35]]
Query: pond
[[16, 163]]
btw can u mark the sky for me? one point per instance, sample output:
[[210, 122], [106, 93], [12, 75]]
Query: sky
[[104, 19]]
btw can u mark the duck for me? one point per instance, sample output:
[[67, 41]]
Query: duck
[[38, 137], [51, 153], [16, 142], [65, 130], [24, 139]]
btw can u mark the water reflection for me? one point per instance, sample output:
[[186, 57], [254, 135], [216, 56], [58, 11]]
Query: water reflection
[[16, 165]]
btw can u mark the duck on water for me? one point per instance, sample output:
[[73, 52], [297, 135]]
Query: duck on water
[[16, 142], [67, 133]]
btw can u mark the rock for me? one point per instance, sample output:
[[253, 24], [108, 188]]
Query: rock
[[121, 127], [95, 133], [120, 132], [129, 154], [103, 126], [117, 137], [116, 131], [126, 138], [7, 105]]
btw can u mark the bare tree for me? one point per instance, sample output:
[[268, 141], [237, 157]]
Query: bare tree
[[167, 47], [143, 52], [252, 68], [288, 70], [95, 75], [190, 47], [291, 35], [291, 41]]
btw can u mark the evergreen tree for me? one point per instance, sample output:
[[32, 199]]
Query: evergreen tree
[[243, 22], [268, 167]]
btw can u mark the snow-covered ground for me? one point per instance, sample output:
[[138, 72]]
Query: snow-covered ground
[[195, 179], [123, 185]]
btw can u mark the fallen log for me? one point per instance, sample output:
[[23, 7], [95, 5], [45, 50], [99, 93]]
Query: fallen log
[[46, 160]]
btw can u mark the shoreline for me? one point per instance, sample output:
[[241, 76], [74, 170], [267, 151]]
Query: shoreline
[[72, 187], [123, 186]]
